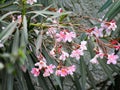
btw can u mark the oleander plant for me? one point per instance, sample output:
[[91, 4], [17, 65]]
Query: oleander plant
[[46, 46]]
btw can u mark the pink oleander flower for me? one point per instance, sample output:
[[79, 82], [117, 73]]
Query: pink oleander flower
[[41, 64], [100, 54], [71, 69], [41, 58], [64, 55], [60, 10], [76, 53], [58, 72], [97, 32], [61, 36], [19, 17], [31, 1], [94, 60], [109, 26], [52, 52], [62, 72], [46, 73], [66, 71], [35, 71], [112, 25], [83, 45], [49, 70], [69, 36], [112, 58], [51, 32]]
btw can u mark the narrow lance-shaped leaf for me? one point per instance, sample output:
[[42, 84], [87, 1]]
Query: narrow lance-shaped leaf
[[106, 5], [4, 35], [83, 73], [15, 45], [25, 28], [113, 9], [7, 81], [106, 70], [91, 78], [39, 43], [76, 82], [10, 80], [7, 14], [20, 78]]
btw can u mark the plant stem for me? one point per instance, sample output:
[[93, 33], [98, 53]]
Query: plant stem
[[23, 7]]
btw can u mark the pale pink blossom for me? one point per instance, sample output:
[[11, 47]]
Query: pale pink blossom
[[60, 10], [64, 55], [58, 72], [52, 52], [112, 25], [66, 71], [49, 70], [31, 1], [98, 32], [71, 69], [76, 54], [62, 72], [94, 60], [60, 36], [41, 58], [19, 17], [54, 21], [69, 36], [100, 54], [112, 58], [41, 64], [51, 32], [46, 73], [109, 26], [83, 45], [35, 71]]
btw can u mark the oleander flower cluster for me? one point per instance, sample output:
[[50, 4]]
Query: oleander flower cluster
[[47, 70], [65, 48]]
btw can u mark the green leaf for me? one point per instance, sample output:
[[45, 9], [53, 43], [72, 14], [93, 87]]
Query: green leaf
[[7, 14], [106, 69], [76, 82], [10, 80], [20, 78], [62, 17], [91, 78], [4, 35], [90, 48], [15, 43], [58, 81], [106, 5], [43, 82], [115, 6], [2, 1], [7, 81], [28, 81], [38, 43], [83, 73], [25, 28]]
